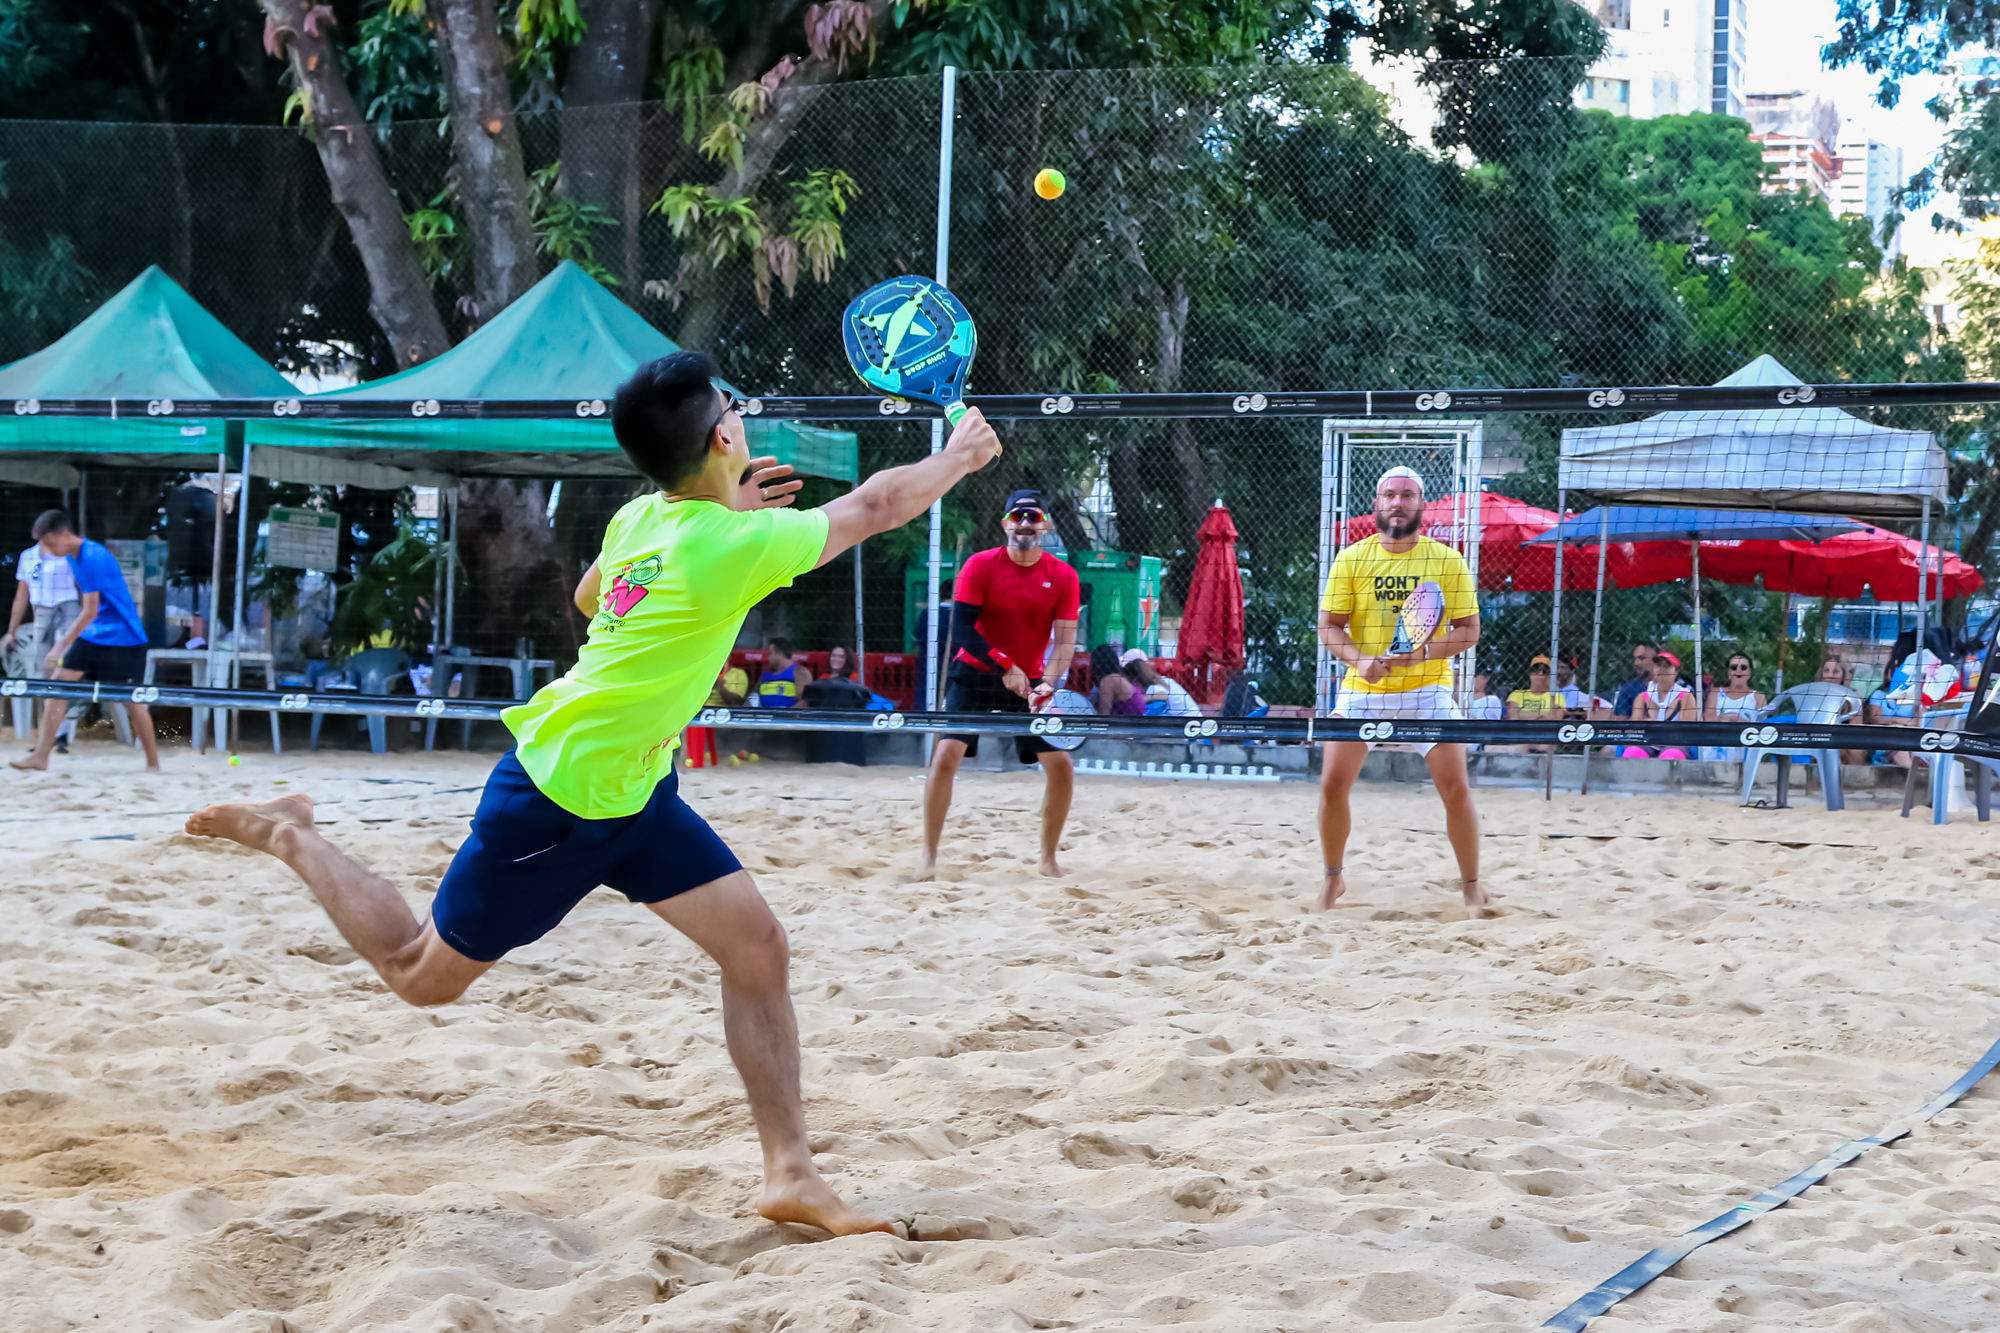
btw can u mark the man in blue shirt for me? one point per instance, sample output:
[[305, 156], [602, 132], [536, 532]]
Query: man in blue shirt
[[106, 644], [1642, 675]]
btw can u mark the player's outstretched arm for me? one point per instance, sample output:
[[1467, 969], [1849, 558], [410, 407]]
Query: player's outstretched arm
[[894, 496]]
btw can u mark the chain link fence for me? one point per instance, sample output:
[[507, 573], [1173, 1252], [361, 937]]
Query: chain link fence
[[1254, 229]]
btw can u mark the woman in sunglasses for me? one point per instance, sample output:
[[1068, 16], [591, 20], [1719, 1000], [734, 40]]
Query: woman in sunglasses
[[1734, 702]]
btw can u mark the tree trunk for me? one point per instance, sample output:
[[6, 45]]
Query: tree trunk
[[1128, 496], [510, 563], [486, 153], [398, 297], [600, 117]]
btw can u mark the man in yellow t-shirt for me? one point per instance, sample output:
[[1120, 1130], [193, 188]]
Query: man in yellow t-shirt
[[1357, 622], [1537, 703], [589, 795]]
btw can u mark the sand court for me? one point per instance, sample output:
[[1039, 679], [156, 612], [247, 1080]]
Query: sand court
[[1153, 1093]]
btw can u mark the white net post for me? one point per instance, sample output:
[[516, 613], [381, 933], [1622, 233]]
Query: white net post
[[1330, 526], [1473, 492]]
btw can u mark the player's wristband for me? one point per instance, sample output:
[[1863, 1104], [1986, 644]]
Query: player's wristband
[[1000, 659]]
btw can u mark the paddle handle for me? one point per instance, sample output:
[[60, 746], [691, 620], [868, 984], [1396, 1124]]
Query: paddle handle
[[955, 412]]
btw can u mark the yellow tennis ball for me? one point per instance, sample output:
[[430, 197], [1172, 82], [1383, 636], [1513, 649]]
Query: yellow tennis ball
[[1049, 183], [234, 760]]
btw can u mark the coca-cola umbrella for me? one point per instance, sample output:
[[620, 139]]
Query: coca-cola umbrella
[[1509, 559], [1868, 559], [1211, 642], [1693, 528]]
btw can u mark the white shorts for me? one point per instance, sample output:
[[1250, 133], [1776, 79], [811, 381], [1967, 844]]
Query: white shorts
[[1430, 703]]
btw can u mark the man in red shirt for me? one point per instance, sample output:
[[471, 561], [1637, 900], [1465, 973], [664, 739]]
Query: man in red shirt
[[1007, 603]]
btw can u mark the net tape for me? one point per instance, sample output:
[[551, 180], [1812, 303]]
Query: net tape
[[1365, 402], [1220, 730]]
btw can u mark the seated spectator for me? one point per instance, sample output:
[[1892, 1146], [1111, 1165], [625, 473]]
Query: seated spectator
[[1735, 701], [1573, 697], [1114, 693], [783, 679], [840, 662], [732, 687], [1486, 706], [1240, 697], [1665, 699], [1893, 705], [1537, 703], [1164, 698], [1835, 671], [1642, 676]]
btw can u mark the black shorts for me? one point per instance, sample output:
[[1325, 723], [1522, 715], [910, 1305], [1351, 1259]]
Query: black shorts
[[528, 861], [967, 691], [107, 663]]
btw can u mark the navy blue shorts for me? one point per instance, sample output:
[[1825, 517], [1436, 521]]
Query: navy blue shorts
[[529, 861]]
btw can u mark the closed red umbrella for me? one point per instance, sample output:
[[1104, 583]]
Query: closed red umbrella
[[1507, 564], [1211, 644], [1871, 560]]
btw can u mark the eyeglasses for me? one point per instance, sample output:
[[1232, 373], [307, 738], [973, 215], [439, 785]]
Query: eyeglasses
[[1025, 514]]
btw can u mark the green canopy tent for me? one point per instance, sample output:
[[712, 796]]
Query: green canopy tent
[[567, 337], [151, 341]]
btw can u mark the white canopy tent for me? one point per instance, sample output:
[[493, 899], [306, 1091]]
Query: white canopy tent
[[1797, 460]]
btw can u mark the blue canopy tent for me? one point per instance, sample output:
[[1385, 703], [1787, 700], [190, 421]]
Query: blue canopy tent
[[1640, 523]]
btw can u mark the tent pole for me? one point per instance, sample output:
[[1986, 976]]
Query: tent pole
[[242, 577], [82, 499], [1923, 611], [451, 572], [212, 625], [1597, 615], [1556, 611], [860, 663], [1695, 545]]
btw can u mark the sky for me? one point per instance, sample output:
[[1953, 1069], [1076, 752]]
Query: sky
[[1782, 53]]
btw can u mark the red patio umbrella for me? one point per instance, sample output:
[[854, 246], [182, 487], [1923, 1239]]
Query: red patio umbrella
[[1211, 644], [1873, 559], [1505, 563]]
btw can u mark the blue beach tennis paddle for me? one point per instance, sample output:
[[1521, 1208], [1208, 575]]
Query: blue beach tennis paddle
[[911, 338]]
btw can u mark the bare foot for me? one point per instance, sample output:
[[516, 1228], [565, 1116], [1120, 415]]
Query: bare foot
[[1329, 894], [33, 763], [926, 867], [809, 1200], [1476, 901], [1050, 868], [255, 824]]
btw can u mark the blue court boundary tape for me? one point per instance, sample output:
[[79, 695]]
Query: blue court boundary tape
[[1573, 1317]]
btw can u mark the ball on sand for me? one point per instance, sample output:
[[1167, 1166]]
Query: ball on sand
[[1049, 183], [234, 760]]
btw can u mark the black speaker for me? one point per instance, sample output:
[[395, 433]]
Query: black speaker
[[190, 534]]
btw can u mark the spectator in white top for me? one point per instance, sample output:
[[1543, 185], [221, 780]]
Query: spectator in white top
[[1164, 698], [46, 599]]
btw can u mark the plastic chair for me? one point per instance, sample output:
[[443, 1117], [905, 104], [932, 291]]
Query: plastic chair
[[1817, 702], [373, 672], [1944, 770]]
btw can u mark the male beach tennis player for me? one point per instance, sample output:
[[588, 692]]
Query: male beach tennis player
[[1006, 605], [588, 795], [1357, 623]]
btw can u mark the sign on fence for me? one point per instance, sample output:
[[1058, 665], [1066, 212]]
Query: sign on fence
[[303, 539]]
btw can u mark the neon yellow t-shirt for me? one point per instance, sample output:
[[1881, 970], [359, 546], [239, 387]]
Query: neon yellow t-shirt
[[1534, 706], [676, 579], [1369, 585]]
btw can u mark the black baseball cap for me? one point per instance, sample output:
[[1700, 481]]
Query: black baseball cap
[[1026, 499]]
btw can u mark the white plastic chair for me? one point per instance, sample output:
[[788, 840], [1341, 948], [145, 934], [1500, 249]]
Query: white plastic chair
[[1944, 770], [1816, 703]]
